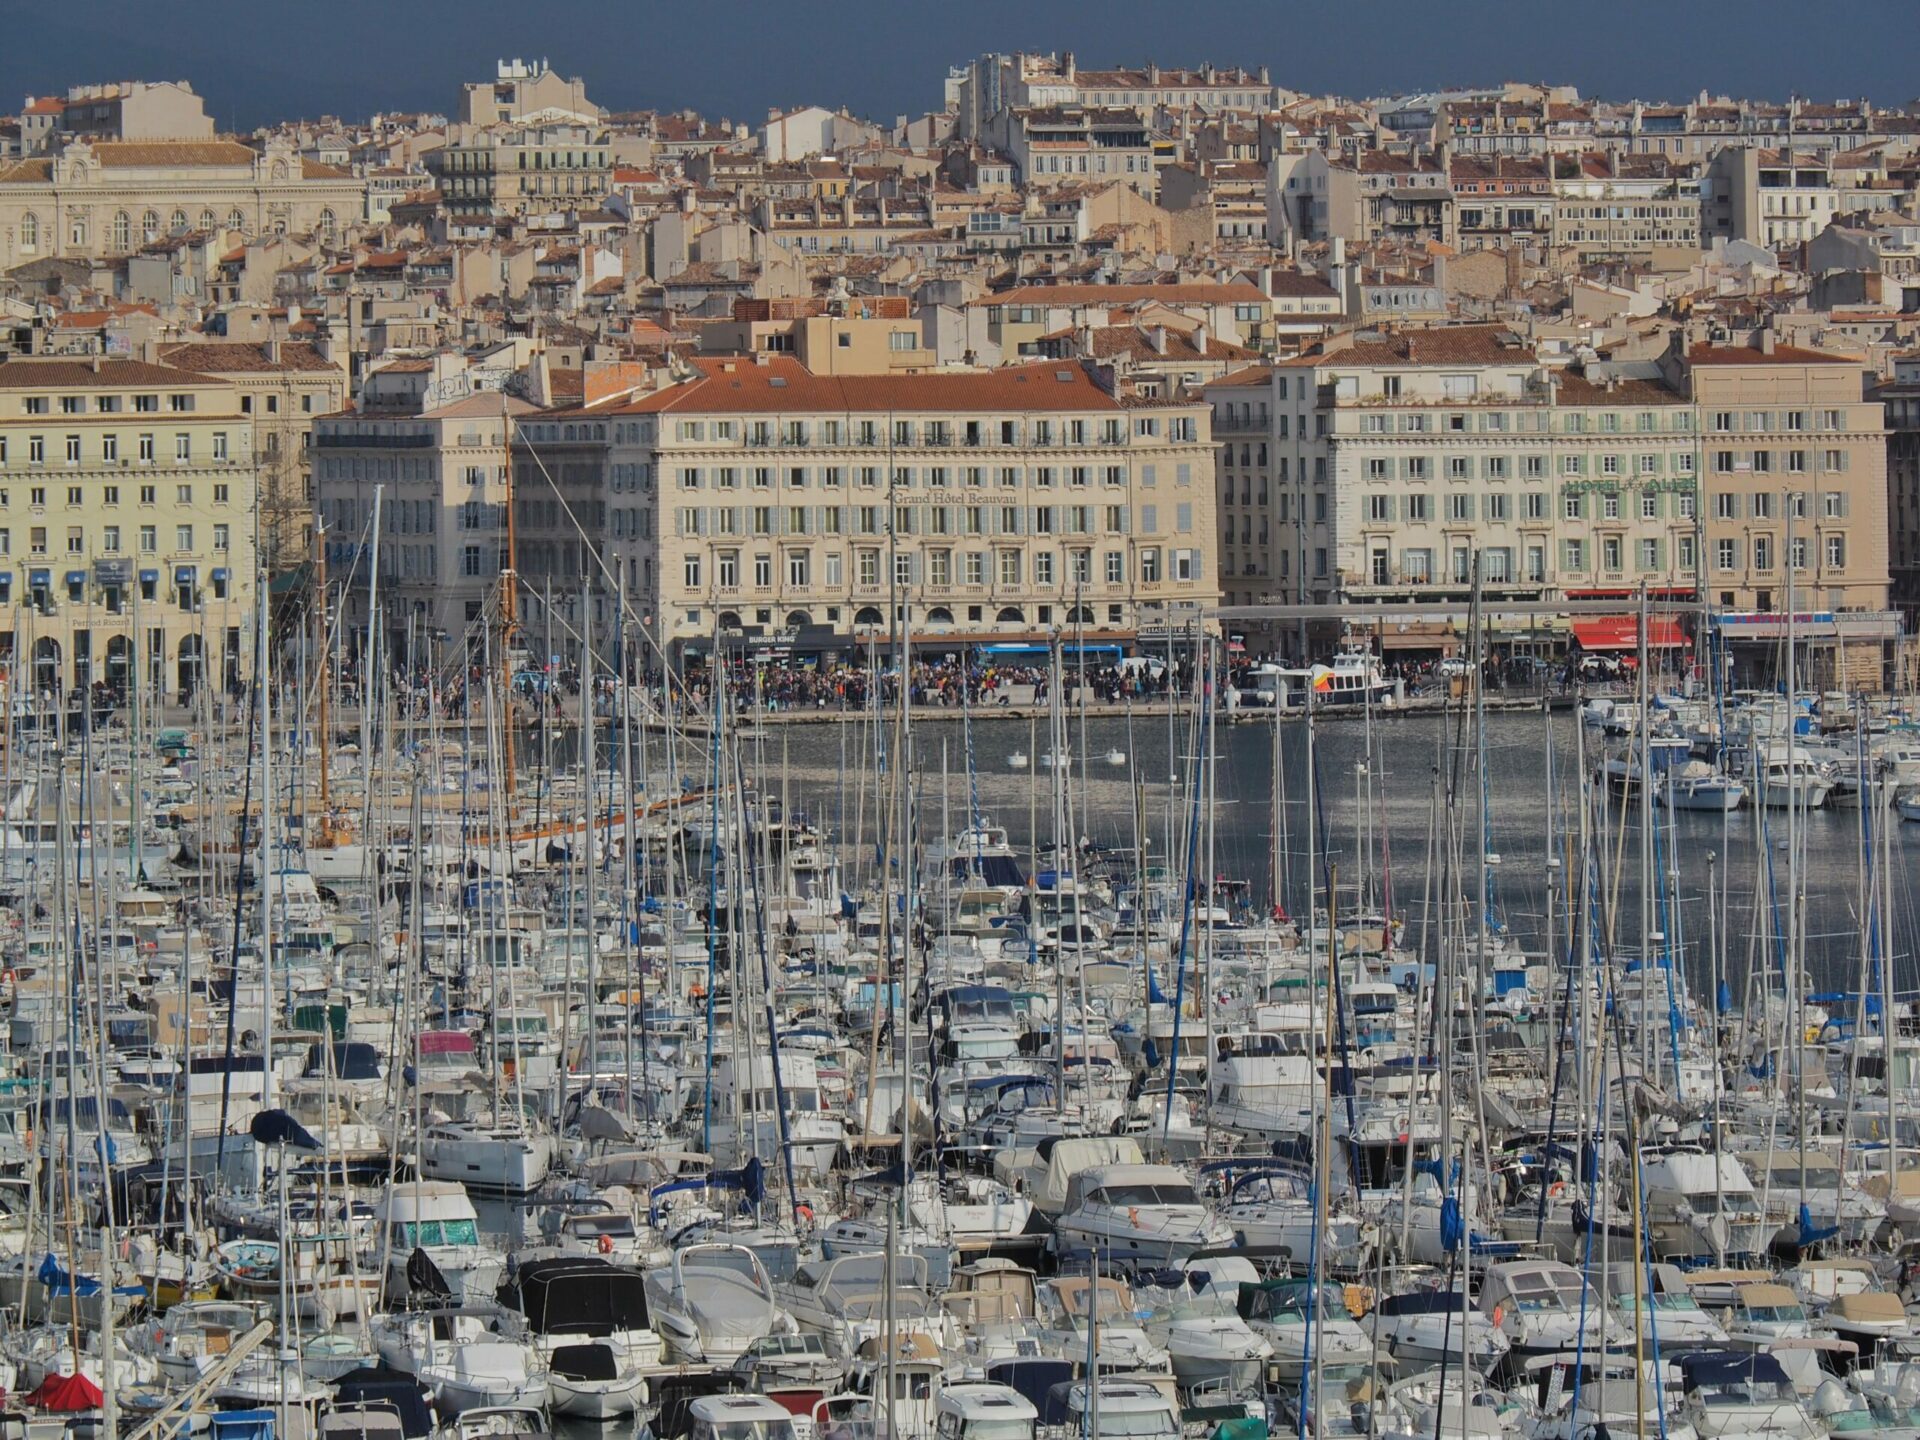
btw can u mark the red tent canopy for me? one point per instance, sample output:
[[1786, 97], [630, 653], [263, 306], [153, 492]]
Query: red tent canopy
[[1622, 632], [66, 1393]]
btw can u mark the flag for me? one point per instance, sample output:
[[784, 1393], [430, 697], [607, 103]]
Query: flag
[[1323, 681]]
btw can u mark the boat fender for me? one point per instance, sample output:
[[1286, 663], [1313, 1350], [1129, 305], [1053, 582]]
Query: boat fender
[[803, 1213], [606, 1244], [1499, 1315], [1556, 1190]]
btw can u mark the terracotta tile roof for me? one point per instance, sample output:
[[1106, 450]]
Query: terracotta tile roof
[[162, 153], [28, 172], [1746, 355], [744, 387], [1440, 345], [1111, 340], [314, 170], [46, 105], [42, 374], [234, 357], [1253, 375], [1234, 293], [1577, 389]]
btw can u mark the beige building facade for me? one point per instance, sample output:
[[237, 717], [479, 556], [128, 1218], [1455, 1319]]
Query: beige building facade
[[1795, 461], [110, 197], [990, 504], [283, 386], [127, 547]]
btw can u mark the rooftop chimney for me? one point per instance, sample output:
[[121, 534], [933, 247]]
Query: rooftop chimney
[[1200, 339], [1157, 338]]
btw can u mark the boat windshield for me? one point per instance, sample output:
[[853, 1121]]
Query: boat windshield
[[749, 1430], [1137, 1422], [1157, 1194], [1775, 1314], [1541, 1291], [441, 1232], [998, 1430]]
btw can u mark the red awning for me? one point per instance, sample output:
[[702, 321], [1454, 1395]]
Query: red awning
[[1622, 632]]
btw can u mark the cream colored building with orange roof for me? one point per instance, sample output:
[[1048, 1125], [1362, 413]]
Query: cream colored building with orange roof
[[993, 505]]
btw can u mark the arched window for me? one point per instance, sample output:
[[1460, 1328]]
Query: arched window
[[177, 222], [120, 238], [206, 219], [236, 220], [1010, 615], [149, 227], [729, 620], [796, 618], [327, 226], [77, 232], [868, 615], [29, 231], [940, 615]]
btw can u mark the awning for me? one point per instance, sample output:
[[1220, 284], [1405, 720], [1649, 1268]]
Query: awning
[[39, 579], [219, 575], [183, 574], [1622, 632], [149, 577], [76, 577]]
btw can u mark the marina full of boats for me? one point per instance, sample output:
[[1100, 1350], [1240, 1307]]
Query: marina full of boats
[[429, 1082]]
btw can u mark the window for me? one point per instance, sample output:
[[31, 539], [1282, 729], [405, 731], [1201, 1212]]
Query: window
[[1496, 504], [1459, 507], [219, 444], [1575, 507], [1536, 564], [1763, 552], [690, 569], [1009, 564], [1379, 508], [146, 449], [183, 537], [1649, 505], [1418, 508], [1043, 568], [1797, 552], [1763, 506], [1649, 554], [798, 568], [150, 539], [183, 494], [726, 569], [36, 449], [1836, 552], [1150, 565], [220, 537], [110, 495]]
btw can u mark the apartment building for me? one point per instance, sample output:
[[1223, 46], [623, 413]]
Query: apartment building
[[1795, 465], [526, 90], [1380, 468], [1375, 196], [1610, 207], [119, 110], [126, 524], [441, 473], [994, 504], [1064, 145], [523, 169], [1766, 197], [283, 385], [1901, 399]]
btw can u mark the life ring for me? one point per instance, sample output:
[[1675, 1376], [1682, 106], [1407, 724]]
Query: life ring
[[1499, 1315], [606, 1244]]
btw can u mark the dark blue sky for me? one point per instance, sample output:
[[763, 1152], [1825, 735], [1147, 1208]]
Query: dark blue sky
[[259, 60]]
